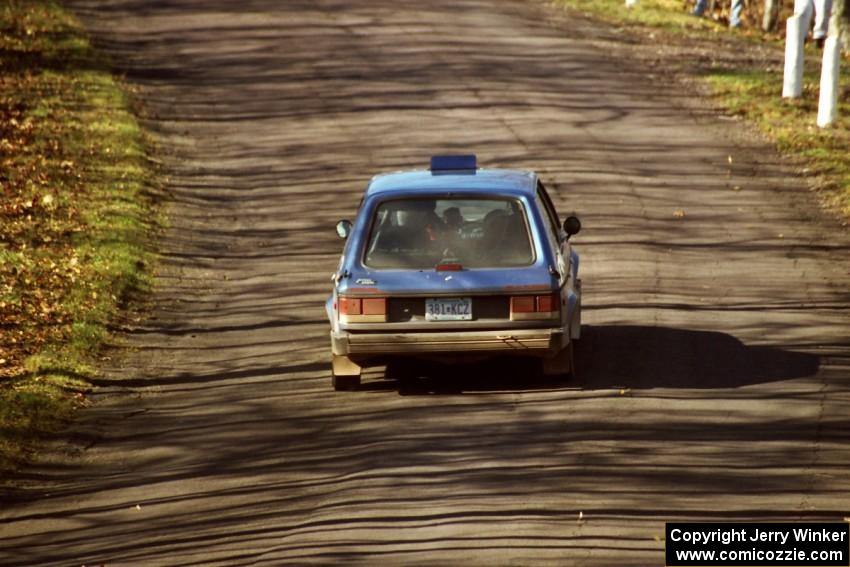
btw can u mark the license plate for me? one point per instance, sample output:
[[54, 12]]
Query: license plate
[[449, 309]]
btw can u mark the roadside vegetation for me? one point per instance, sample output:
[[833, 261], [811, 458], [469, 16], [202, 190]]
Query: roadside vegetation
[[74, 215], [745, 86]]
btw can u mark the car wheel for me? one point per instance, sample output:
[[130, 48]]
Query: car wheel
[[405, 372], [398, 369], [575, 348], [345, 383], [562, 365]]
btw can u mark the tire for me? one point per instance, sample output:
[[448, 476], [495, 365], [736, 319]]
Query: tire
[[575, 349], [345, 383], [562, 366], [405, 373]]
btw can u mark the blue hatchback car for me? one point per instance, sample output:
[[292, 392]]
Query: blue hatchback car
[[455, 263]]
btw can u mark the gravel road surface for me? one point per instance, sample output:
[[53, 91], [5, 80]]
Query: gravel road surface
[[715, 371]]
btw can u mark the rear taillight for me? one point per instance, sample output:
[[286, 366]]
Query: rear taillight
[[350, 306], [523, 304], [449, 267], [547, 303], [536, 307], [362, 309]]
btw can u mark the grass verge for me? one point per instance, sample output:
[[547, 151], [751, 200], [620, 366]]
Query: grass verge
[[667, 15], [790, 124], [74, 217], [674, 16], [752, 92]]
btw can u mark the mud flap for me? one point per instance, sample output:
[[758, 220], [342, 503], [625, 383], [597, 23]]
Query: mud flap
[[346, 374], [562, 364], [575, 323]]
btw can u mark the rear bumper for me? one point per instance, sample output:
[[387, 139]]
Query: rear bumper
[[534, 342]]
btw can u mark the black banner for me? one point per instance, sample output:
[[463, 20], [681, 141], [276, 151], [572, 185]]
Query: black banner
[[758, 544]]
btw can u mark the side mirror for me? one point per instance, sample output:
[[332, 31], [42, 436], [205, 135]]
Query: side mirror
[[572, 225], [343, 228]]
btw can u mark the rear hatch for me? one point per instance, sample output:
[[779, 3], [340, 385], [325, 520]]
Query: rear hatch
[[447, 260]]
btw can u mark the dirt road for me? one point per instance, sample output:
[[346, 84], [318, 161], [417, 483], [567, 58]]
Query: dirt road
[[716, 377]]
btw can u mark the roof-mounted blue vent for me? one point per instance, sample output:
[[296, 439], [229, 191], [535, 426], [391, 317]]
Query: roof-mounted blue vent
[[454, 164]]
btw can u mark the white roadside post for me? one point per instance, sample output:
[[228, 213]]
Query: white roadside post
[[796, 30], [807, 9], [795, 34], [831, 69]]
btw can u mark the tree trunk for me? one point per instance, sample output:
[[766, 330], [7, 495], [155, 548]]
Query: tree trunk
[[771, 15], [843, 7]]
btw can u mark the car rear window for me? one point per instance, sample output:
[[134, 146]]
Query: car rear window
[[419, 233]]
